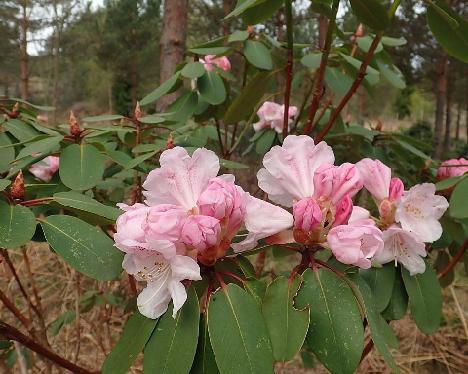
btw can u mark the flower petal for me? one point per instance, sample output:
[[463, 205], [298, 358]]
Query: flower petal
[[178, 294], [153, 301], [184, 267]]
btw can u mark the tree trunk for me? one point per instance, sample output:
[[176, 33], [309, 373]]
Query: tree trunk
[[228, 6], [24, 69], [457, 126], [448, 115], [172, 43], [441, 90], [323, 27]]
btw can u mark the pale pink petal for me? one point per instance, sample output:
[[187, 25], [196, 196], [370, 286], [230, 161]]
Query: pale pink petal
[[153, 301], [178, 294], [335, 182], [358, 214], [184, 267], [375, 176]]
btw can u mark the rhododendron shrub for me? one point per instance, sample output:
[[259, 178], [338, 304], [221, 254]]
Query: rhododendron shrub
[[244, 224]]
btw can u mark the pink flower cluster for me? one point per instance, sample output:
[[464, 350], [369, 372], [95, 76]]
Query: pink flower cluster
[[271, 116], [191, 216], [45, 169], [452, 168], [210, 62]]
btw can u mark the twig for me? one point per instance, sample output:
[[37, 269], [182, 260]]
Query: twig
[[318, 86], [367, 350], [460, 310], [454, 261], [77, 313], [15, 311], [289, 65], [322, 113], [220, 140], [11, 333]]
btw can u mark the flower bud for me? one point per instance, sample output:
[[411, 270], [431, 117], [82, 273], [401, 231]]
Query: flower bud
[[130, 236], [201, 232], [170, 142], [17, 188], [75, 130], [164, 222], [307, 214], [376, 177], [335, 182], [137, 113], [396, 189], [344, 208]]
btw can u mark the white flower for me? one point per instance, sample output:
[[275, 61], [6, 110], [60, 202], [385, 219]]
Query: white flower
[[419, 210]]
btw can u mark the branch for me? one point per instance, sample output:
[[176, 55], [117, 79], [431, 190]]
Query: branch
[[289, 65], [352, 90], [10, 333], [16, 312], [454, 261], [367, 350], [318, 86]]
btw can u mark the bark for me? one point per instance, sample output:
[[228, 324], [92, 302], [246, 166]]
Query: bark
[[457, 126], [441, 91], [228, 6], [24, 58], [448, 114], [323, 27], [172, 43]]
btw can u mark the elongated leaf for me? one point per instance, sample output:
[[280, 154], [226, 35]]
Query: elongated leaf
[[20, 130], [134, 337], [393, 77], [133, 163], [249, 97], [210, 50], [393, 42], [62, 320], [378, 327], [365, 43], [336, 334], [4, 183], [265, 142], [172, 346], [412, 149], [228, 164], [425, 298], [242, 6], [238, 333], [286, 325], [184, 107], [103, 118], [238, 36], [84, 247], [7, 155], [17, 225], [398, 303], [161, 90], [371, 12], [261, 11], [337, 81], [81, 166], [447, 183], [458, 203], [193, 70], [312, 60], [204, 362], [43, 146], [381, 283], [43, 108], [82, 202], [211, 88], [450, 29], [258, 54]]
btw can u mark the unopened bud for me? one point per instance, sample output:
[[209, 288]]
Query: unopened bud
[[170, 142], [14, 111], [250, 30], [379, 126], [74, 126], [17, 188], [359, 31], [137, 113]]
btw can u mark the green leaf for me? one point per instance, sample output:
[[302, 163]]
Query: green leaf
[[62, 320], [380, 281], [393, 42], [372, 75], [425, 298], [193, 70], [372, 13], [244, 104], [398, 303], [336, 334], [135, 335], [42, 146], [82, 202], [84, 247], [380, 331], [286, 325], [211, 88], [20, 130], [338, 82], [228, 164], [172, 346], [7, 155], [261, 11], [210, 50], [161, 90], [312, 60], [238, 36], [17, 225], [393, 76], [152, 119], [365, 42], [183, 107], [43, 108], [265, 142], [448, 183], [134, 162], [242, 6], [450, 29], [238, 333], [103, 118], [412, 149], [458, 205], [258, 54], [4, 183], [204, 362], [81, 166]]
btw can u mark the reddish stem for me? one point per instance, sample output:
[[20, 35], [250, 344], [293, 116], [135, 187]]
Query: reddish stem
[[232, 275], [220, 280], [454, 261]]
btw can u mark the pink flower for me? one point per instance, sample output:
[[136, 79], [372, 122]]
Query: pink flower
[[356, 243], [344, 209], [210, 61], [376, 177], [419, 210], [164, 222], [289, 169], [404, 247], [335, 182], [307, 214], [271, 115], [223, 200], [358, 214], [262, 220], [130, 236], [163, 275], [396, 189], [45, 169], [452, 168], [201, 232]]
